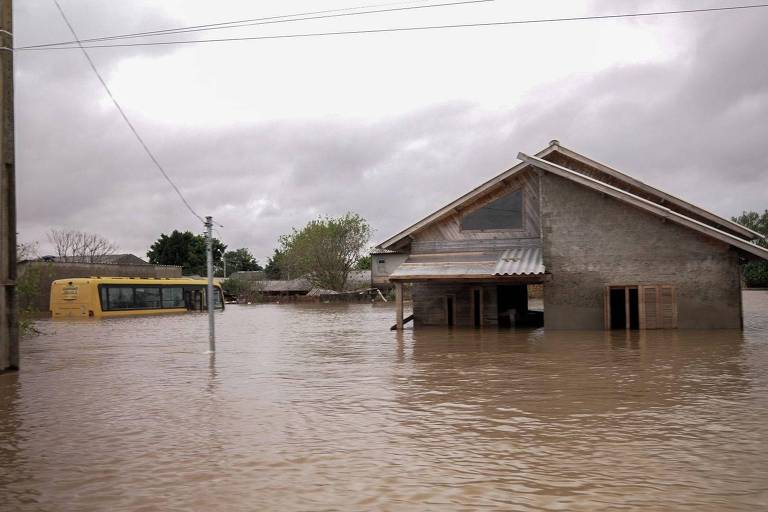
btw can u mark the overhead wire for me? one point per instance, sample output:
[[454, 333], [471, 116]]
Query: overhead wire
[[411, 29], [316, 15], [125, 117]]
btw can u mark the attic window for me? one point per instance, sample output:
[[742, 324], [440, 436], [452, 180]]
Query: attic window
[[505, 212]]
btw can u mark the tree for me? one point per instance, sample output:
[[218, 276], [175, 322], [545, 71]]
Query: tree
[[26, 251], [325, 250], [272, 269], [186, 250], [363, 263], [240, 260], [755, 272], [72, 245]]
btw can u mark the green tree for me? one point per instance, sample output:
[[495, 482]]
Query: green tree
[[755, 272], [272, 269], [325, 250], [363, 263], [186, 250], [241, 259]]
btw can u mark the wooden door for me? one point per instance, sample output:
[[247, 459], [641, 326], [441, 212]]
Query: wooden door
[[658, 307]]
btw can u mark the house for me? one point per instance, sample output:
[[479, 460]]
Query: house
[[104, 259], [609, 250]]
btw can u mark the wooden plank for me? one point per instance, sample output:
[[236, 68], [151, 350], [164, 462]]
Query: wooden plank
[[399, 306], [626, 307], [651, 302], [668, 307]]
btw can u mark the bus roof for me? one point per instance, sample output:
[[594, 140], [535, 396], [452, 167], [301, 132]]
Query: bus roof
[[183, 281]]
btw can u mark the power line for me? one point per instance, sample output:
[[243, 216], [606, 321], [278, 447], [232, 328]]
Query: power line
[[413, 29], [124, 116], [259, 21]]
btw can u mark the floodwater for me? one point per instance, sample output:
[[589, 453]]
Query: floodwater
[[321, 407]]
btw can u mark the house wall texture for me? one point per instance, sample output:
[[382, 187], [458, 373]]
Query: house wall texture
[[591, 241], [429, 303], [380, 272], [41, 274]]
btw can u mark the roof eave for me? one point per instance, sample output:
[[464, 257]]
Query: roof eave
[[644, 204], [735, 226]]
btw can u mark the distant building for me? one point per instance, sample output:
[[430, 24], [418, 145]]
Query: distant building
[[108, 259], [248, 275], [609, 250], [284, 287], [383, 263]]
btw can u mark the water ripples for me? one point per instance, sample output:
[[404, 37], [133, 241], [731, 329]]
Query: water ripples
[[321, 407]]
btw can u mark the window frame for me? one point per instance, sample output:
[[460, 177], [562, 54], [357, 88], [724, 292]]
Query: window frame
[[132, 287], [523, 202]]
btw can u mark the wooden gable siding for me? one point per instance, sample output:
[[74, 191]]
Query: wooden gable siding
[[447, 233], [580, 167]]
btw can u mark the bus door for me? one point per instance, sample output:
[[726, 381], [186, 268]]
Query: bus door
[[193, 300]]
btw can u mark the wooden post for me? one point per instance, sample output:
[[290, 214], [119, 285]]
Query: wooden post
[[9, 332], [399, 305]]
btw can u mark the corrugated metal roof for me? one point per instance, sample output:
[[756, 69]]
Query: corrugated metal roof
[[521, 261], [512, 262]]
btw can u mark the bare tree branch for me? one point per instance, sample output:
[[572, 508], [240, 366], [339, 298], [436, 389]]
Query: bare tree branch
[[77, 246]]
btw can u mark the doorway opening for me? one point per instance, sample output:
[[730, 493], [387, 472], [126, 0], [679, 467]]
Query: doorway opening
[[623, 307], [514, 307], [450, 311], [477, 307]]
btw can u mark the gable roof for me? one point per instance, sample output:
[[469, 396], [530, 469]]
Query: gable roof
[[397, 241], [392, 243], [663, 197], [104, 259], [644, 204]]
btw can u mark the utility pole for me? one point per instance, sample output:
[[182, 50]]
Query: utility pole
[[9, 331], [209, 296]]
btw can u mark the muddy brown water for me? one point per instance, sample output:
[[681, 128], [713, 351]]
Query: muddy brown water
[[321, 407]]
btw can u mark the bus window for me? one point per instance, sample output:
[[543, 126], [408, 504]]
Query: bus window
[[146, 298], [120, 297], [173, 297]]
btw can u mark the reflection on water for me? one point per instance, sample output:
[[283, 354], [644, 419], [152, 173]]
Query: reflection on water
[[308, 407]]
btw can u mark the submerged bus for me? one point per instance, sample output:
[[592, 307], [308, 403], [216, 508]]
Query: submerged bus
[[124, 296]]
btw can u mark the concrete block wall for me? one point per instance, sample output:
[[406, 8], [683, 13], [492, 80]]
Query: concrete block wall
[[591, 241], [429, 303]]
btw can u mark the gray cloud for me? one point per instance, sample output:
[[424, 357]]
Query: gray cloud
[[694, 127]]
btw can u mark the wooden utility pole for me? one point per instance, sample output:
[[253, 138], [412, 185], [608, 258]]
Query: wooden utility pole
[[9, 331]]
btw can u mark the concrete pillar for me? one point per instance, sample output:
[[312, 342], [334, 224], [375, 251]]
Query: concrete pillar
[[399, 305], [9, 333]]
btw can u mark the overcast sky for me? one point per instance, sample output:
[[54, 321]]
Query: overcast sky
[[266, 135]]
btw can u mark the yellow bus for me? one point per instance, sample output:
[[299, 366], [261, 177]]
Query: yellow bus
[[123, 296]]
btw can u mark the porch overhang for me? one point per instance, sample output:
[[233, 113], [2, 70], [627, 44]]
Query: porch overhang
[[518, 265]]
